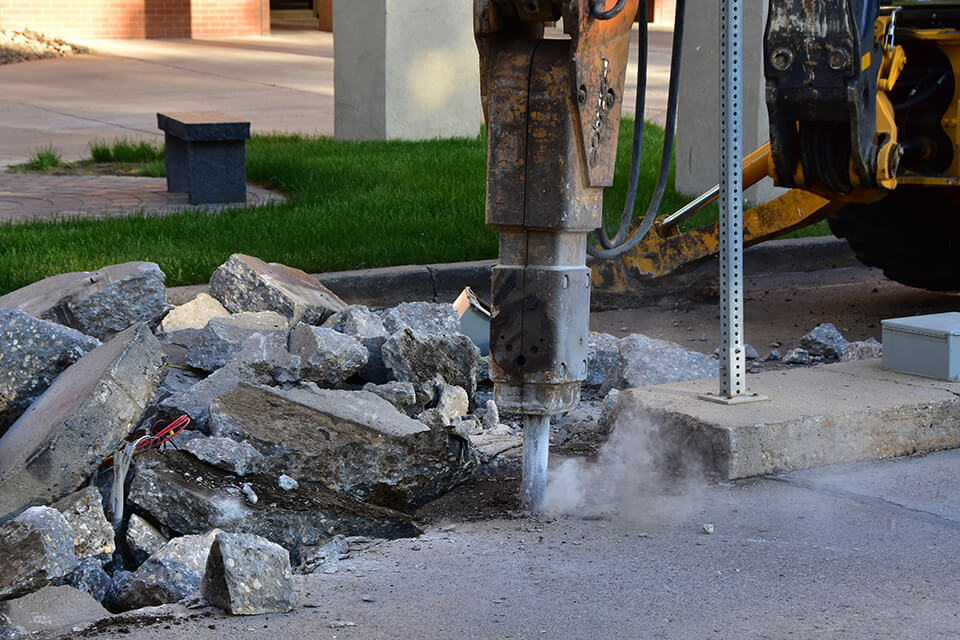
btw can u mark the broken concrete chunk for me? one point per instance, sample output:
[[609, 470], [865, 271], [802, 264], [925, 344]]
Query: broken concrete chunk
[[97, 303], [603, 354], [647, 361], [90, 578], [224, 336], [33, 353], [424, 317], [419, 358], [355, 442], [287, 483], [53, 609], [491, 417], [606, 410], [92, 532], [167, 576], [797, 356], [193, 315], [238, 458], [326, 356], [453, 403], [248, 575], [262, 360], [365, 326], [750, 353], [402, 395], [186, 495], [862, 350], [143, 539], [37, 549], [80, 420], [245, 283], [826, 341]]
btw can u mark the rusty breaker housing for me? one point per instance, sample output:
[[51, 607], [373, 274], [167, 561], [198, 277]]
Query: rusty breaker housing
[[552, 109]]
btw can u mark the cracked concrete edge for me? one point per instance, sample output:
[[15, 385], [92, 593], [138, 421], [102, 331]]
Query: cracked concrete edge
[[389, 286]]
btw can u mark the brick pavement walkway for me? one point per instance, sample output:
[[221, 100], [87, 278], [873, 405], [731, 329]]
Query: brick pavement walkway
[[37, 197]]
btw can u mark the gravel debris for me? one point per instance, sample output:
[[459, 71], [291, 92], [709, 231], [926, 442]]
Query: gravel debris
[[21, 46]]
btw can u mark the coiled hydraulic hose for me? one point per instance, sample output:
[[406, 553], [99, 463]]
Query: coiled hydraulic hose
[[620, 244]]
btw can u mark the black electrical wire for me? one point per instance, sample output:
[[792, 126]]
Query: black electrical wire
[[637, 149], [599, 14], [619, 248]]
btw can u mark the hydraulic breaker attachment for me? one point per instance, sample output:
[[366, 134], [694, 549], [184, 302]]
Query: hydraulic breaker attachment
[[552, 109]]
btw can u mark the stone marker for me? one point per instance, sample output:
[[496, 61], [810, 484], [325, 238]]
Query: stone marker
[[224, 336], [90, 578], [248, 575], [647, 361], [33, 353], [425, 317], [37, 549], [80, 420], [143, 539], [194, 314], [419, 358], [238, 458], [367, 327], [245, 283], [327, 357], [53, 609], [355, 442], [186, 495], [92, 532], [168, 575], [97, 303]]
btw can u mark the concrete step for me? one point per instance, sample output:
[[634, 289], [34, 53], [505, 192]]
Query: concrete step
[[814, 416]]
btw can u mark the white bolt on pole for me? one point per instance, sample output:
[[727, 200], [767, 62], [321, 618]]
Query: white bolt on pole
[[733, 375]]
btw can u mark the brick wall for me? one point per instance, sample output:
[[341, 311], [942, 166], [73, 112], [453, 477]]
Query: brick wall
[[138, 18]]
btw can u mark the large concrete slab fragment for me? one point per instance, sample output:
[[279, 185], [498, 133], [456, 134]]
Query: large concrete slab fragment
[[815, 416], [80, 420]]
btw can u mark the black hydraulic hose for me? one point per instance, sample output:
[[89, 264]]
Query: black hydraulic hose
[[637, 149], [666, 153], [599, 14]]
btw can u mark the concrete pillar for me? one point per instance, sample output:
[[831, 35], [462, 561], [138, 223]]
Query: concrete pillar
[[698, 109], [405, 69]]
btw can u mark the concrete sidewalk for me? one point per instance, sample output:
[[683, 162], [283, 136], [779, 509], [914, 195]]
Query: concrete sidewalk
[[281, 82]]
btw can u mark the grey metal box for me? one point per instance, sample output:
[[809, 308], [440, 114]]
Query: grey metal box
[[925, 345]]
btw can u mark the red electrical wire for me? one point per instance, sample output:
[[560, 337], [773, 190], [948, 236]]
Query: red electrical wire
[[159, 433]]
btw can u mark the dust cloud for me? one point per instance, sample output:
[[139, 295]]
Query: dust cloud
[[637, 477]]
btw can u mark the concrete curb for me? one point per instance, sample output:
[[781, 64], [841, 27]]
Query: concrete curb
[[389, 286]]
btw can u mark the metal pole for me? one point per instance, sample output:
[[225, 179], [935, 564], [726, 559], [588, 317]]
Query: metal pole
[[536, 447], [733, 383]]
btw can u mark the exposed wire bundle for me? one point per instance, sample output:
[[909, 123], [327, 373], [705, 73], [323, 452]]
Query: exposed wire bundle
[[159, 433]]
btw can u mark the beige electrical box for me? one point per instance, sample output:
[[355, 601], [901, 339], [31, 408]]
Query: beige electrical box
[[924, 345]]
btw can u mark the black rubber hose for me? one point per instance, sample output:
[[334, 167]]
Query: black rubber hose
[[637, 149], [609, 13], [666, 153]]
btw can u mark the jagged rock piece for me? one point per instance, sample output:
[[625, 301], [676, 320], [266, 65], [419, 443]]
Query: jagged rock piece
[[419, 358], [326, 356], [238, 458], [491, 417], [424, 317], [168, 575], [143, 539], [367, 327], [245, 283], [97, 303], [826, 341], [80, 420], [33, 353], [647, 361], [797, 356], [186, 495], [37, 549], [355, 442], [862, 350], [262, 360], [92, 532], [194, 314], [603, 354], [53, 609], [90, 578], [224, 336], [402, 395], [452, 403], [248, 575]]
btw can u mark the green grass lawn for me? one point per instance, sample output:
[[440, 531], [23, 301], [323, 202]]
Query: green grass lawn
[[350, 205]]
